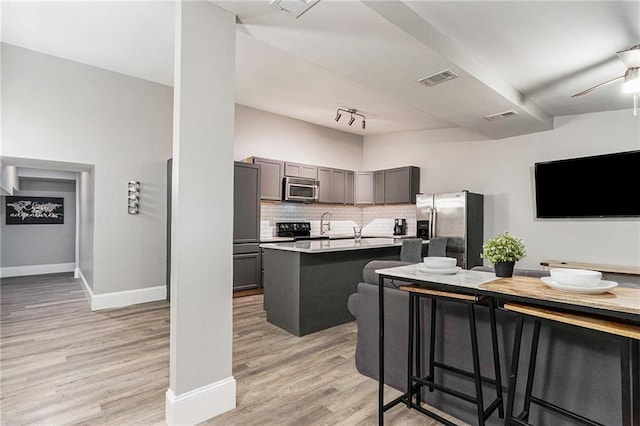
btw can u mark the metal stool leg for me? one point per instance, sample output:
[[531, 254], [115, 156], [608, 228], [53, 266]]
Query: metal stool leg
[[635, 379], [625, 370], [432, 343], [476, 364], [410, 350], [532, 369], [418, 345], [513, 375], [496, 357]]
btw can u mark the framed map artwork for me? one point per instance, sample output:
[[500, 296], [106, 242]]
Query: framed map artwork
[[34, 210]]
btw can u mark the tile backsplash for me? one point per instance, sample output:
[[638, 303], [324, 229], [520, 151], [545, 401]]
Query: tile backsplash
[[376, 220]]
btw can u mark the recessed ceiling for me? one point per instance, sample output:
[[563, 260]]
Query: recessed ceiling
[[529, 57]]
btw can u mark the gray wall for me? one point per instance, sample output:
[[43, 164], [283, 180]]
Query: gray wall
[[63, 111], [41, 244]]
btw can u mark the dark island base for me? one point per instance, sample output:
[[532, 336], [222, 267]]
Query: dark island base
[[308, 292]]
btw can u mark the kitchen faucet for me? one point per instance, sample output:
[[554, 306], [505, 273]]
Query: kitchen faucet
[[322, 223]]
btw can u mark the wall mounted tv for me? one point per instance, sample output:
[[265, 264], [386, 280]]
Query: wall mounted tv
[[589, 187]]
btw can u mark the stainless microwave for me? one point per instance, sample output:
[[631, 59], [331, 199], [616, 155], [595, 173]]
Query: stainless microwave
[[299, 189]]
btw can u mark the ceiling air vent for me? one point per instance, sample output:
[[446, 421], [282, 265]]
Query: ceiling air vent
[[501, 115], [295, 7], [437, 78]]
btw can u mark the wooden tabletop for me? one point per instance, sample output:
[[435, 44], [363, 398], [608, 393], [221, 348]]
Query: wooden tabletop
[[619, 299]]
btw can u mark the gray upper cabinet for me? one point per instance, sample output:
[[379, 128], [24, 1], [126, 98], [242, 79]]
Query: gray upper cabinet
[[336, 186], [324, 185], [364, 188], [378, 187], [348, 187], [246, 203], [301, 170], [272, 172], [401, 185]]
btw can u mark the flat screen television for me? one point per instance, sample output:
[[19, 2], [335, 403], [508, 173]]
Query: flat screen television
[[588, 187]]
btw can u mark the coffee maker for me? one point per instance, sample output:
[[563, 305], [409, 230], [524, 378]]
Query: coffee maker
[[400, 227]]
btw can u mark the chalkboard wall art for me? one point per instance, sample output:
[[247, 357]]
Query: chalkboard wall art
[[35, 210]]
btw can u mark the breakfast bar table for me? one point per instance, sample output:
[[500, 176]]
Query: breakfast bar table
[[619, 304]]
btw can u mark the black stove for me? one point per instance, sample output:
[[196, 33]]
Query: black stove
[[296, 230], [293, 229]]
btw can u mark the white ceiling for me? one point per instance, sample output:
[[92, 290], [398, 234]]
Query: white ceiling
[[510, 55]]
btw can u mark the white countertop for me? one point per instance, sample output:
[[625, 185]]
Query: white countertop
[[334, 237], [617, 301], [323, 246], [463, 278]]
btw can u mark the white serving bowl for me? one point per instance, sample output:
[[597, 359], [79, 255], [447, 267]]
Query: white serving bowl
[[435, 262], [576, 277]]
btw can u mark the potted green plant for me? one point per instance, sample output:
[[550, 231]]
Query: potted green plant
[[503, 250]]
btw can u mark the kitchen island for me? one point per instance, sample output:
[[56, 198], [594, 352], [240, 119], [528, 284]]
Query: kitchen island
[[307, 283]]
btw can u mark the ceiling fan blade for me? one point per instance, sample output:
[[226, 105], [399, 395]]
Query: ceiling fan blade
[[584, 92], [630, 57]]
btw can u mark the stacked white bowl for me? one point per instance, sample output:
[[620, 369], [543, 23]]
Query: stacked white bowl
[[435, 262], [576, 277]]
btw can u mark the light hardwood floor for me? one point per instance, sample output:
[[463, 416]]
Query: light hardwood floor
[[61, 363]]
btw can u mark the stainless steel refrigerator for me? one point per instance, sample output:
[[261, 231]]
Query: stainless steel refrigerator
[[459, 217]]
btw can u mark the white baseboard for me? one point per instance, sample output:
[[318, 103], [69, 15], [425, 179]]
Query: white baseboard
[[20, 271], [88, 294], [120, 299], [200, 404], [76, 273]]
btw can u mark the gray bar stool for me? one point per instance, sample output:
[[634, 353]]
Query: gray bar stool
[[629, 336], [414, 379]]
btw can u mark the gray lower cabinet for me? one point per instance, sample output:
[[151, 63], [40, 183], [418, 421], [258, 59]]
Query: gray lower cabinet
[[401, 185], [272, 172], [364, 188], [301, 170], [247, 271]]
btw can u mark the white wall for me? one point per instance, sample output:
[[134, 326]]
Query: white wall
[[502, 170], [8, 179], [58, 110], [200, 369], [263, 134], [86, 200]]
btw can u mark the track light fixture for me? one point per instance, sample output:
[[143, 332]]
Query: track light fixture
[[352, 116]]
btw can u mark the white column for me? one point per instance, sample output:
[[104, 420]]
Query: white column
[[201, 381]]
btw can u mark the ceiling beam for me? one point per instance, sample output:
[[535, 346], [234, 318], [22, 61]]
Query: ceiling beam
[[402, 16]]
